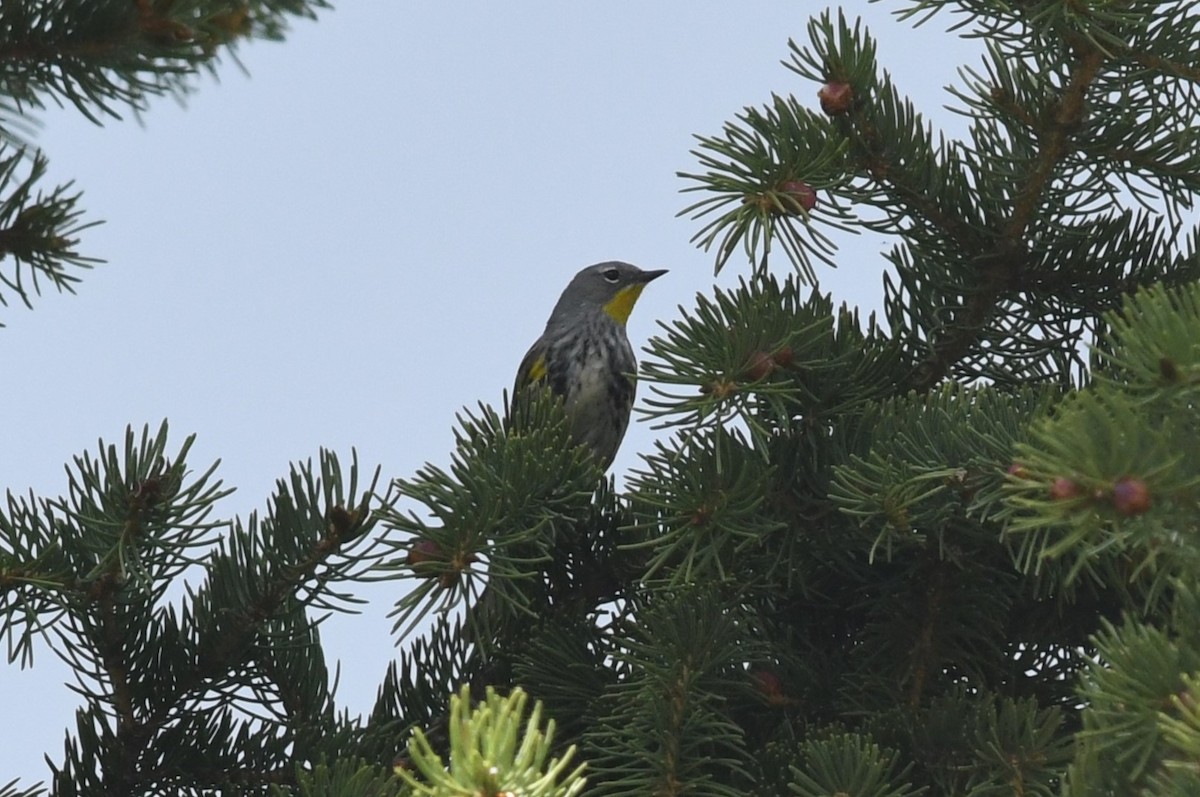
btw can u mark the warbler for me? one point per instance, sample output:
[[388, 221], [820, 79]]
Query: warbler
[[584, 355]]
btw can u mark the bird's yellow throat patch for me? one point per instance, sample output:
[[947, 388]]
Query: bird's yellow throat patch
[[621, 305]]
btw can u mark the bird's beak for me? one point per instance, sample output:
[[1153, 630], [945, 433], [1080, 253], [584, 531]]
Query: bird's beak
[[647, 276]]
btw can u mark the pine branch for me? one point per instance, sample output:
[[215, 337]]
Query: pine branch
[[100, 54], [665, 727], [10, 789], [494, 749], [850, 764], [1002, 267], [39, 232], [158, 687], [1168, 66], [228, 650]]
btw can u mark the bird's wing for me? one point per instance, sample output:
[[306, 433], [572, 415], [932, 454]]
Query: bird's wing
[[531, 371], [533, 366]]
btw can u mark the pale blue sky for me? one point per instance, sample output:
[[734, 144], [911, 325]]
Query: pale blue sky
[[365, 236]]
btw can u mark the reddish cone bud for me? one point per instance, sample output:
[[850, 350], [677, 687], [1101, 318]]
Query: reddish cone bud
[[1063, 489], [836, 98], [1017, 470], [784, 356], [768, 684], [1131, 496], [797, 195], [1168, 369], [423, 552], [761, 365]]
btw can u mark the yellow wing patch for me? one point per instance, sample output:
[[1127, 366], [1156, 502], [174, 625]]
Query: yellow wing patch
[[621, 305], [537, 371]]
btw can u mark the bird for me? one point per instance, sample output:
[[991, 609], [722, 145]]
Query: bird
[[584, 356]]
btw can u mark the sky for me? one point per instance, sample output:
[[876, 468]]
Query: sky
[[361, 234]]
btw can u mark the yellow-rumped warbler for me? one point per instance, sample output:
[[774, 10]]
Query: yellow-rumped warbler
[[584, 355]]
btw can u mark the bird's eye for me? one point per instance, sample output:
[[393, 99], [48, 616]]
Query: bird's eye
[[611, 275]]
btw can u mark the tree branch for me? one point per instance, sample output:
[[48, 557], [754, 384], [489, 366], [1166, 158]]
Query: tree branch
[[1004, 266]]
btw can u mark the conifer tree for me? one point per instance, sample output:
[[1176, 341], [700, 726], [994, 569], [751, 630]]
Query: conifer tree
[[953, 550]]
